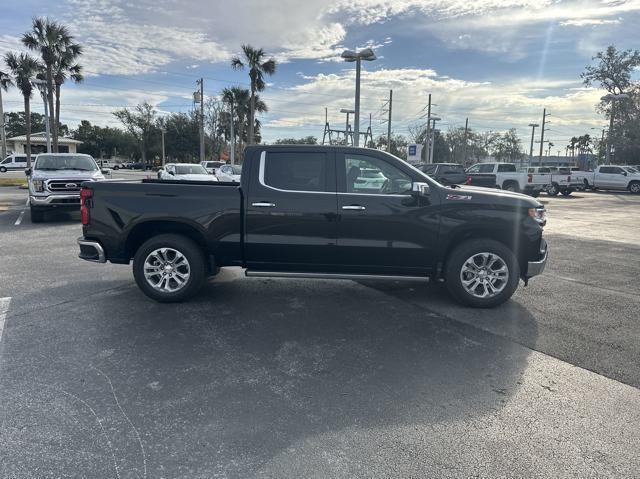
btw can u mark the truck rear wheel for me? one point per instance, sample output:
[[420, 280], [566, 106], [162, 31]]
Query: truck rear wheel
[[512, 186], [482, 273], [169, 268], [566, 192]]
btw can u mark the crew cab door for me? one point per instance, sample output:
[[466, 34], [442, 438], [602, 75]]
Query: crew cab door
[[291, 211], [382, 227], [610, 177]]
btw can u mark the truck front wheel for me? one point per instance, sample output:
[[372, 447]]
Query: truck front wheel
[[482, 273], [553, 190], [169, 268], [634, 187]]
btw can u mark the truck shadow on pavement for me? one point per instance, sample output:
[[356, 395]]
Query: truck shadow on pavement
[[253, 376]]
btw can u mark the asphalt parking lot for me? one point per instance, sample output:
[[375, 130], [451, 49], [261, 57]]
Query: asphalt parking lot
[[290, 379]]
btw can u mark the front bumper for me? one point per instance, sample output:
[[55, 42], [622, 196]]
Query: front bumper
[[91, 251], [65, 201], [534, 268]]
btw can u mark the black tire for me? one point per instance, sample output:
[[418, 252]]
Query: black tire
[[634, 187], [466, 250], [566, 192], [534, 193], [512, 187], [586, 184], [189, 249], [116, 167], [3, 169], [553, 190], [37, 216]]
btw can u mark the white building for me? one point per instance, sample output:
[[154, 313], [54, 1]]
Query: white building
[[18, 144]]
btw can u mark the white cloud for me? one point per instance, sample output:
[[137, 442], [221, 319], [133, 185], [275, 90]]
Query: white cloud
[[583, 22]]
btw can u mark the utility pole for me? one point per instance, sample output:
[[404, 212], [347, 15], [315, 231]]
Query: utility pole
[[232, 150], [201, 83], [389, 122], [427, 154], [533, 132], [544, 119], [164, 158], [464, 146]]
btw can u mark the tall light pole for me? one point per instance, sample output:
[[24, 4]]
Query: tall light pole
[[612, 98], [533, 132], [351, 56], [42, 87], [199, 98]]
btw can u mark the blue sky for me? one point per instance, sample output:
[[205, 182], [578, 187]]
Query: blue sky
[[497, 62]]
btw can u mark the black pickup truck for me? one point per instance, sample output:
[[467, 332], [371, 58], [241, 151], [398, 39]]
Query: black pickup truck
[[309, 212]]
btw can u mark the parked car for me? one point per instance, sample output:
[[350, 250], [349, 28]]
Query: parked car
[[229, 173], [507, 177], [445, 173], [212, 166], [556, 179], [613, 177], [138, 165], [55, 180], [185, 171], [297, 213], [13, 162]]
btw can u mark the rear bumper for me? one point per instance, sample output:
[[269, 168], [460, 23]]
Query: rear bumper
[[91, 251], [534, 268]]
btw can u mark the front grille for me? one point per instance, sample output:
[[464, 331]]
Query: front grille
[[65, 185]]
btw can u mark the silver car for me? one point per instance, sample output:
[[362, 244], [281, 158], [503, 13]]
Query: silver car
[[55, 181]]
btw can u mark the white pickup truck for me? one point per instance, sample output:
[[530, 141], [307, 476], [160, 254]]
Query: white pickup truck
[[557, 179], [509, 178], [610, 177]]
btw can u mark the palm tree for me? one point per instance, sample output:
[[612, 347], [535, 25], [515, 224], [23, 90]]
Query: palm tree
[[66, 68], [24, 68], [240, 97], [51, 40], [254, 59], [5, 83]]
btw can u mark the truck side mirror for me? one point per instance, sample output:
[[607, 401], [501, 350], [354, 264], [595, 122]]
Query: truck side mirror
[[420, 189], [624, 173], [27, 171]]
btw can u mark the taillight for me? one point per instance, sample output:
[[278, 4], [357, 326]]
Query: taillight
[[469, 180], [529, 178], [85, 194]]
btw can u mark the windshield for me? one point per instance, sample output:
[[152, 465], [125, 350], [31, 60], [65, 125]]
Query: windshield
[[66, 162], [190, 170], [631, 170]]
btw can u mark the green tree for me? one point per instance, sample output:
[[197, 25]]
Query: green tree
[[613, 72], [52, 40], [23, 68], [307, 140], [17, 123], [254, 60], [241, 98], [104, 142], [140, 123], [66, 68], [508, 147], [398, 145], [5, 83]]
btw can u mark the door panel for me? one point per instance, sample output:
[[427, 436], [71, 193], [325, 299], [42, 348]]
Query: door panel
[[382, 228], [291, 212]]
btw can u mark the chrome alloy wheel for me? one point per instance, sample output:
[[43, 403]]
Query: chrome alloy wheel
[[484, 275], [166, 270]]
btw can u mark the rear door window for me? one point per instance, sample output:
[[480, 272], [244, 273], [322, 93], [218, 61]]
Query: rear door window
[[291, 171], [451, 169], [506, 168]]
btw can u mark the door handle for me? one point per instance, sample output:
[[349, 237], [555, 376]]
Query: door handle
[[263, 204], [354, 207]]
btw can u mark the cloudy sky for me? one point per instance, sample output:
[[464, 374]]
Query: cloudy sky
[[497, 62]]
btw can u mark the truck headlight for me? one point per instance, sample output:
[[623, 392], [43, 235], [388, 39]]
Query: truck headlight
[[539, 215], [38, 185]]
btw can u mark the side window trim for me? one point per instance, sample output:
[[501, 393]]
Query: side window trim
[[261, 169]]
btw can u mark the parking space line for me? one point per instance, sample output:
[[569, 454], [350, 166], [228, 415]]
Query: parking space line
[[4, 309], [19, 220]]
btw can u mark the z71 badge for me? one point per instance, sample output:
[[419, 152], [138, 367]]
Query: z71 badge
[[459, 197]]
